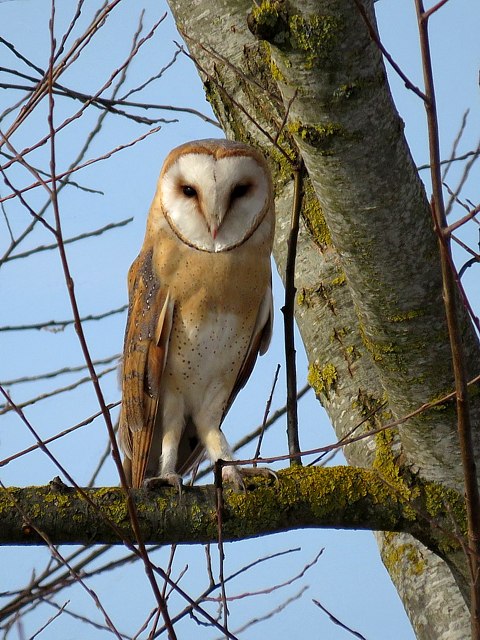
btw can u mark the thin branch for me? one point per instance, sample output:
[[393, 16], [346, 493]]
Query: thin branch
[[272, 612], [82, 236], [58, 556], [267, 411], [5, 408], [59, 177], [374, 36], [455, 225], [469, 154], [275, 587], [157, 76], [221, 554], [289, 318], [59, 325], [472, 496], [63, 433], [51, 619], [337, 621], [367, 434], [466, 171], [62, 182], [455, 144]]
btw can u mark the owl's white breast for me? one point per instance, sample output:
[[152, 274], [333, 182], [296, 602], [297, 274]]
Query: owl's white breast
[[204, 360]]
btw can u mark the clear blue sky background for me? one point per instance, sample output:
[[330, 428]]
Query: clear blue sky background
[[349, 578]]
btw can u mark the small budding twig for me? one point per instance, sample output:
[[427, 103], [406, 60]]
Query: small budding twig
[[289, 318]]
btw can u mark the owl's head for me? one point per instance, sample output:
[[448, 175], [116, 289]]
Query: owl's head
[[215, 194]]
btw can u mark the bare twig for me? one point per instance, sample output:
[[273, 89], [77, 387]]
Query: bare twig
[[56, 554], [469, 154], [59, 325], [83, 343], [50, 620], [5, 408], [57, 436], [61, 176], [221, 555], [337, 621], [272, 612], [367, 434], [462, 221], [374, 36], [455, 144], [289, 318], [81, 236], [275, 587], [58, 372], [464, 425], [267, 411]]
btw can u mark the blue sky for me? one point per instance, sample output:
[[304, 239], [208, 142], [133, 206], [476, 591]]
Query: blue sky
[[349, 578]]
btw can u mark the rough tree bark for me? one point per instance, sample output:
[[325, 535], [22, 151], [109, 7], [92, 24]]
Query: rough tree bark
[[369, 303]]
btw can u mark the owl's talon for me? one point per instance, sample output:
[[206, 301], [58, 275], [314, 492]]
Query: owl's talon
[[235, 476], [264, 472], [167, 480]]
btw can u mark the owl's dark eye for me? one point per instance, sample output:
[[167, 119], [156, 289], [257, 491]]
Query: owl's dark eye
[[239, 191], [189, 191]]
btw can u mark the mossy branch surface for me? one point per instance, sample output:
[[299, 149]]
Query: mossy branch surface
[[334, 497]]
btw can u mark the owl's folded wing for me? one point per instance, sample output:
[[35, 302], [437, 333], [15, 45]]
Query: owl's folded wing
[[146, 342]]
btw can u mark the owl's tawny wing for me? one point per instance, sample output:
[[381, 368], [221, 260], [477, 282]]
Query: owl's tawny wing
[[146, 343], [191, 449]]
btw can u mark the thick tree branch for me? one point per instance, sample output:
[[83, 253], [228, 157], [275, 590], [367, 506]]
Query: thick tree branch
[[334, 497]]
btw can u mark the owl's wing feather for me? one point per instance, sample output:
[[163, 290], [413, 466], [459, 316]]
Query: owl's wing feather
[[146, 343]]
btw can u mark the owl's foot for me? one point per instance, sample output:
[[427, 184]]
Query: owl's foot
[[235, 476], [167, 480]]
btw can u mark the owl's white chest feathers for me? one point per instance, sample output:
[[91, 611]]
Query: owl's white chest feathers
[[204, 359]]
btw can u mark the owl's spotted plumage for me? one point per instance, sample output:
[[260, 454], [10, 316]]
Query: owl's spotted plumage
[[200, 308]]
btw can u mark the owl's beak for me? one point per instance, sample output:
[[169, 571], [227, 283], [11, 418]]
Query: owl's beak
[[214, 231]]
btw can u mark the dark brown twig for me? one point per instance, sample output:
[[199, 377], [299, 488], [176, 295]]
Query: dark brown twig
[[59, 325], [221, 554], [337, 621], [81, 236], [374, 36], [267, 411], [472, 496], [57, 436], [289, 318], [83, 343]]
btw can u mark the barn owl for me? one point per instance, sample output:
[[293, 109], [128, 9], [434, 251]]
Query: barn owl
[[200, 310]]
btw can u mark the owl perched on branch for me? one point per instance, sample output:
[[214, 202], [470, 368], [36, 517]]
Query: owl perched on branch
[[200, 309]]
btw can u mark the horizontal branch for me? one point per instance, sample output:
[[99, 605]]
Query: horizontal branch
[[82, 236], [333, 497], [61, 324]]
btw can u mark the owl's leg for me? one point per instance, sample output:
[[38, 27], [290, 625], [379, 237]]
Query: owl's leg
[[218, 448], [170, 432]]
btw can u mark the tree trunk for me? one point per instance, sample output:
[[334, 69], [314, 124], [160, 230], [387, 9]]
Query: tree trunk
[[369, 303]]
